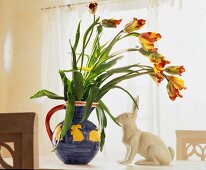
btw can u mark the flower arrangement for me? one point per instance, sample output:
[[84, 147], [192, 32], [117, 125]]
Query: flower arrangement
[[93, 75]]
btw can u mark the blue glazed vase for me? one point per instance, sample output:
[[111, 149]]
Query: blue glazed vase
[[81, 142]]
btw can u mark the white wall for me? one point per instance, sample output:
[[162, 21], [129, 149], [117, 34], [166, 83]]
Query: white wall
[[22, 77]]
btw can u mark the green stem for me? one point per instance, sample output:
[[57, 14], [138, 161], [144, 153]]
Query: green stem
[[105, 50], [166, 77], [117, 80], [90, 33], [130, 34], [123, 51], [131, 72], [85, 41]]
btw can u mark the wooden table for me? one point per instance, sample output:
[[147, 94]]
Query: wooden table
[[101, 163]]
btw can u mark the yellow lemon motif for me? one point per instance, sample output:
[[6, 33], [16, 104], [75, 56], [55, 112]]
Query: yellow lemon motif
[[57, 132], [76, 133], [94, 136]]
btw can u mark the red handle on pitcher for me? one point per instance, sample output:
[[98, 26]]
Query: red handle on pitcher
[[48, 117]]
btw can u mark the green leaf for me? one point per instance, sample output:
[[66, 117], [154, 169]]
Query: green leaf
[[67, 71], [90, 29], [102, 125], [124, 69], [95, 52], [98, 117], [103, 106], [69, 111], [102, 116], [134, 34], [101, 68], [105, 54], [86, 92], [107, 49], [85, 41], [145, 53], [74, 62], [77, 77], [78, 84], [103, 136], [91, 98], [127, 69], [133, 99], [48, 94], [77, 36], [99, 29], [119, 79], [123, 51], [66, 82]]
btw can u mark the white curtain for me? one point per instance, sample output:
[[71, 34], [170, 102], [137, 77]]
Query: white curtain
[[183, 26], [58, 27]]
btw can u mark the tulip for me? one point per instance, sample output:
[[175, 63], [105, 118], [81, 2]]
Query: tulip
[[175, 70], [159, 62], [111, 23], [145, 53], [148, 39], [178, 83], [93, 7], [172, 91], [157, 77], [136, 24]]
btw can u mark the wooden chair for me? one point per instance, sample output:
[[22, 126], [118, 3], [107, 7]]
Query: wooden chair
[[19, 130], [190, 142]]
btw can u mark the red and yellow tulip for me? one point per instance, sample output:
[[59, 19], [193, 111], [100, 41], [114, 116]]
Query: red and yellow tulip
[[148, 39], [136, 24], [175, 70], [172, 91], [178, 83], [111, 23], [159, 62], [157, 77]]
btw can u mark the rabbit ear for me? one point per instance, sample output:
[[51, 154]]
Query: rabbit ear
[[135, 108]]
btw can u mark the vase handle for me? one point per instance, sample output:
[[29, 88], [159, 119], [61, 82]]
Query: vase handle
[[48, 117]]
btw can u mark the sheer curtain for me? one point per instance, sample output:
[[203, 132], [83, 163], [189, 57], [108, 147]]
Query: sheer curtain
[[183, 25], [59, 25]]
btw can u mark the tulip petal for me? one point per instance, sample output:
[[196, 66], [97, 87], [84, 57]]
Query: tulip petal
[[111, 23], [178, 83], [93, 7], [157, 77], [148, 39], [175, 70], [173, 92], [136, 24], [159, 61]]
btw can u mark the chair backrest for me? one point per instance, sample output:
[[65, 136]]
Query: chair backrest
[[20, 130], [190, 142]]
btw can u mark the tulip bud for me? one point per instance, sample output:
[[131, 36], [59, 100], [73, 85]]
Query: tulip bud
[[110, 23], [93, 7], [136, 24]]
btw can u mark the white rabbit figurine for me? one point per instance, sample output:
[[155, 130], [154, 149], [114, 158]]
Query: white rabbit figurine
[[148, 145]]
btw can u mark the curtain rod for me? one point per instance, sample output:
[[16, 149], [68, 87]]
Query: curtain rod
[[69, 5]]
